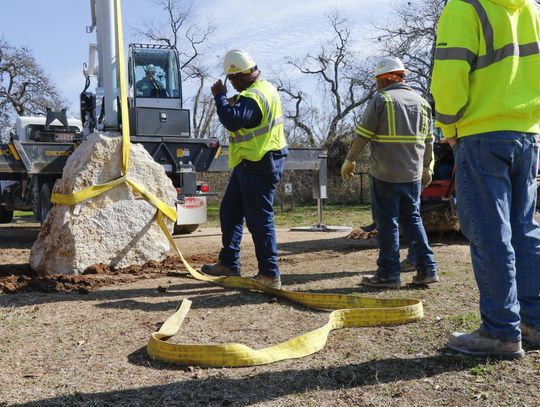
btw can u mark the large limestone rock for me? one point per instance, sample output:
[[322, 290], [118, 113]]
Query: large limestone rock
[[115, 228]]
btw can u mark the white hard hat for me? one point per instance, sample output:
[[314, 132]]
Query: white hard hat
[[150, 68], [389, 64], [237, 61]]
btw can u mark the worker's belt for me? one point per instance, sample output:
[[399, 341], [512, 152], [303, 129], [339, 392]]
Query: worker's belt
[[350, 310]]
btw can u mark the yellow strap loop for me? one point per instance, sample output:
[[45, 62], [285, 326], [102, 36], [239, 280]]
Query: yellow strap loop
[[86, 193], [350, 311]]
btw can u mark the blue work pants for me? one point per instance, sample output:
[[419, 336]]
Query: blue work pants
[[250, 195], [496, 198]]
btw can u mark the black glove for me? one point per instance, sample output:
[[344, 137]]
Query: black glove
[[218, 87]]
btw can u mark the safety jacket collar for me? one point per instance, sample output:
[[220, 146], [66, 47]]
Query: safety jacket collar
[[396, 85], [510, 4]]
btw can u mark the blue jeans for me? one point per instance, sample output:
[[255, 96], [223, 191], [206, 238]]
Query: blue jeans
[[411, 255], [496, 199], [250, 195], [395, 204]]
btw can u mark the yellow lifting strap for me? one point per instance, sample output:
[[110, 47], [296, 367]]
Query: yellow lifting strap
[[350, 310]]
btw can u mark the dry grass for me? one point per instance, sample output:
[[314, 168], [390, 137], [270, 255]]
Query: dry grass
[[59, 349]]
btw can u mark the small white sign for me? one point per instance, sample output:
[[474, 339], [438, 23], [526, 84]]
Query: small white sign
[[288, 188]]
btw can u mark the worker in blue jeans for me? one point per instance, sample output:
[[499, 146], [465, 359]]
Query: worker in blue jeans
[[257, 151], [397, 125], [486, 85]]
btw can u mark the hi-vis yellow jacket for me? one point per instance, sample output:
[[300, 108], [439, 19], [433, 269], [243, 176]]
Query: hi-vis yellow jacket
[[486, 75], [253, 144]]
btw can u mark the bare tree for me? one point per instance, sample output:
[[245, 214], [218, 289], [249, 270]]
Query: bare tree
[[299, 112], [412, 39], [345, 82], [180, 32], [25, 89], [189, 38], [203, 118]]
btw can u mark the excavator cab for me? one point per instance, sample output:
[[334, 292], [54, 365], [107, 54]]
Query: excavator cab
[[155, 92], [154, 72]]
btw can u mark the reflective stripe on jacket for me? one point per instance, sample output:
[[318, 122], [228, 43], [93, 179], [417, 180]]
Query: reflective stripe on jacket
[[253, 144], [397, 123], [486, 75]]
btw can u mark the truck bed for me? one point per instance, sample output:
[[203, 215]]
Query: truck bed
[[44, 158], [33, 157]]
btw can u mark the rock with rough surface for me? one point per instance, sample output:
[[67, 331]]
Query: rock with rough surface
[[116, 228]]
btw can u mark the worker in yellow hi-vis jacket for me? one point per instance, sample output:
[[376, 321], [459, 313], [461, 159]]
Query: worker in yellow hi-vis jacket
[[486, 85], [257, 151]]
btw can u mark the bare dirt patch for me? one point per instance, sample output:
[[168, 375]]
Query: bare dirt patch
[[359, 234], [63, 348], [18, 278]]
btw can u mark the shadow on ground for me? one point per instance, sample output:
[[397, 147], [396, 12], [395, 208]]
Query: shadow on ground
[[203, 294], [200, 389], [345, 245], [336, 244], [18, 237]]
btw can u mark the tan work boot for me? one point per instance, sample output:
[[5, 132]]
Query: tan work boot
[[530, 335], [426, 278], [218, 269], [476, 344], [272, 282]]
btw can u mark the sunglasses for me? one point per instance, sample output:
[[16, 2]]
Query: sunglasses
[[239, 74]]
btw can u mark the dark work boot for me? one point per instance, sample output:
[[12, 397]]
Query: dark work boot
[[378, 281], [218, 269], [530, 335]]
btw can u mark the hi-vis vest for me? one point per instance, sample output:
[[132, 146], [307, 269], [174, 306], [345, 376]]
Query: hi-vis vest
[[486, 75], [253, 144], [397, 123]]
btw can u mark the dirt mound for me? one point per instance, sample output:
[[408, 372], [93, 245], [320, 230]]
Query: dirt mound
[[359, 234], [21, 278], [440, 219], [16, 278]]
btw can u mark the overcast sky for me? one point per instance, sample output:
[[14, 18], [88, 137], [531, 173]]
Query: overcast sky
[[55, 30]]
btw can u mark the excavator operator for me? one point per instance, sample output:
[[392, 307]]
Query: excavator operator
[[149, 86]]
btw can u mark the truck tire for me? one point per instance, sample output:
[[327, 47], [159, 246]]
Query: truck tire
[[44, 202], [35, 198], [5, 215], [184, 229]]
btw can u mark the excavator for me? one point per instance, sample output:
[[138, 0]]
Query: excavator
[[157, 117]]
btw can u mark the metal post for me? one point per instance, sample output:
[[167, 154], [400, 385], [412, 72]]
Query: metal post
[[320, 211], [320, 183], [108, 62]]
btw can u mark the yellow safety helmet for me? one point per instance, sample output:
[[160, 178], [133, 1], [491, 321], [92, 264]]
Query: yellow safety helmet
[[237, 61]]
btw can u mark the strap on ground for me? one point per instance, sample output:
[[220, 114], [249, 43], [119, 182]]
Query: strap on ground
[[349, 310]]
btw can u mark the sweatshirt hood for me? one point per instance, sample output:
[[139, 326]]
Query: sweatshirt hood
[[510, 4]]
